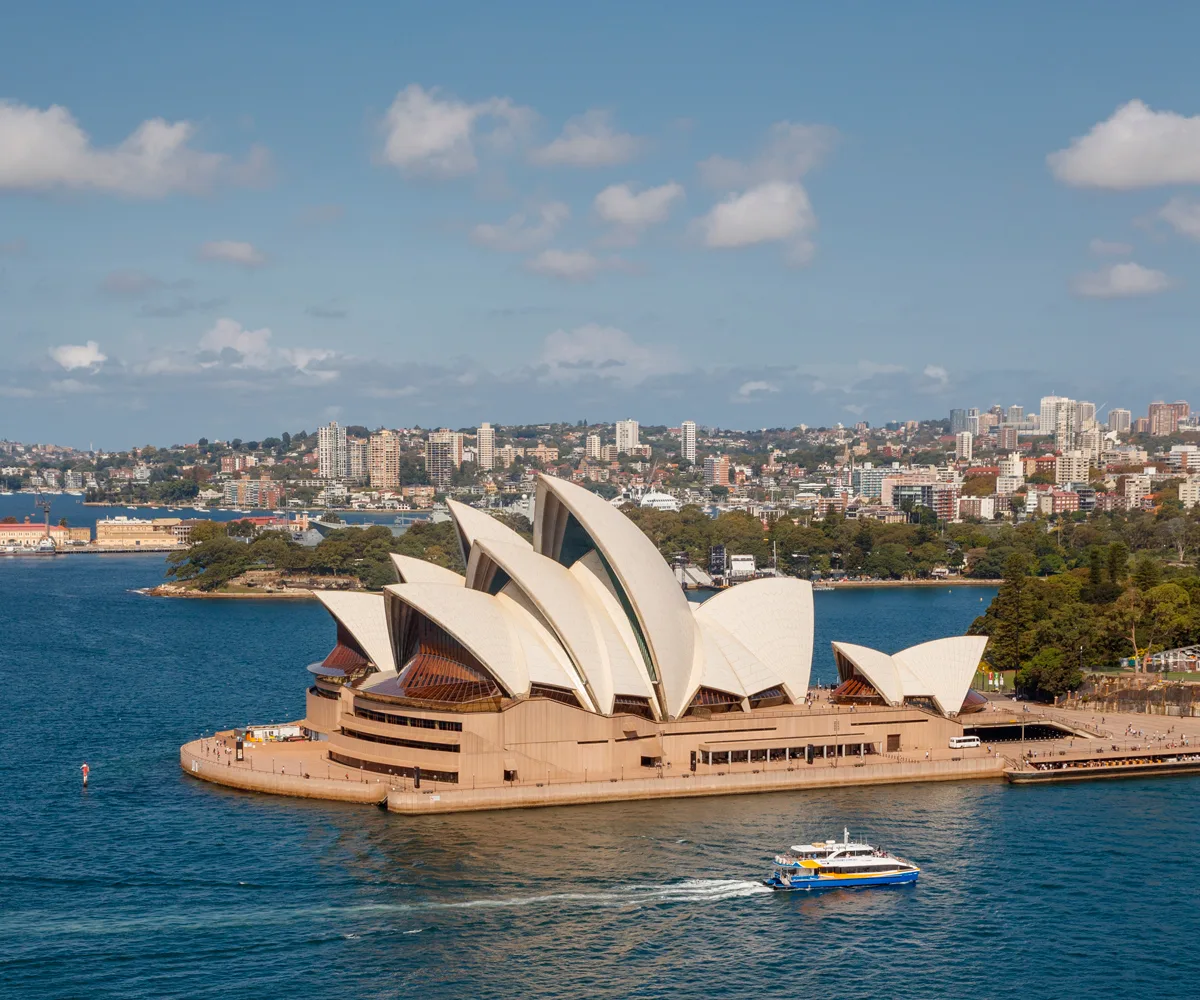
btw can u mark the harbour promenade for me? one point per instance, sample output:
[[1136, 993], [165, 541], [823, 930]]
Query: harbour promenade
[[301, 769]]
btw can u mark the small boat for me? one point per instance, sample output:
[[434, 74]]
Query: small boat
[[827, 864]]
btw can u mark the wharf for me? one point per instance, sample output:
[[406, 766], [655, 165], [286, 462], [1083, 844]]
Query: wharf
[[1122, 764]]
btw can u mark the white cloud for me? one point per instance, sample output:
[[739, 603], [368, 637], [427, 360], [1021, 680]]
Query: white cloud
[[47, 150], [520, 233], [776, 211], [937, 373], [427, 134], [571, 265], [588, 141], [1183, 216], [1137, 147], [253, 346], [791, 151], [1120, 281], [633, 211], [1107, 248], [603, 352], [72, 356], [233, 252], [753, 390]]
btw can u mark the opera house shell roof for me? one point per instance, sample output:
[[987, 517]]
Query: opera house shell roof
[[588, 614], [934, 675]]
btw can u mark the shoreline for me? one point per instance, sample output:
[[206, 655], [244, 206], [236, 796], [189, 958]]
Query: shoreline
[[952, 582], [297, 594]]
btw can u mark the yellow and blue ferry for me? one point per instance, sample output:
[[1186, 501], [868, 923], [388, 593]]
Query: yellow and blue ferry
[[827, 864]]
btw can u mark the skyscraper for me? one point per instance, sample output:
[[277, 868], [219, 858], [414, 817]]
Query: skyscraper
[[1048, 413], [1165, 417], [1120, 420], [627, 436], [687, 441], [385, 460], [958, 421], [1014, 414], [443, 455], [592, 449], [964, 445], [973, 421], [485, 446], [331, 452], [357, 459]]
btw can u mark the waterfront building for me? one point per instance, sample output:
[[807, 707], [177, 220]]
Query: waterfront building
[[932, 676], [687, 441], [485, 447], [246, 492], [1119, 420], [28, 535], [128, 533], [576, 657], [627, 436], [332, 460], [384, 466]]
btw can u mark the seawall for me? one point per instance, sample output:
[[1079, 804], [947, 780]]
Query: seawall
[[196, 763], [447, 799]]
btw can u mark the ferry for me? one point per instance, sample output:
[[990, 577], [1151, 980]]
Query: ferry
[[827, 864]]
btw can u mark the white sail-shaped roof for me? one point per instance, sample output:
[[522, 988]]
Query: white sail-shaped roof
[[363, 617], [572, 613], [772, 619], [941, 670], [647, 589], [413, 570], [472, 525], [476, 620], [945, 667]]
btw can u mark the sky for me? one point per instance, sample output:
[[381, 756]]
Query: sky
[[238, 219]]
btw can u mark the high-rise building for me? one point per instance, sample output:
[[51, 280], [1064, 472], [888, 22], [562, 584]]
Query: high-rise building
[[1006, 437], [1014, 414], [716, 470], [973, 421], [1120, 421], [1189, 492], [1048, 413], [964, 445], [958, 421], [358, 458], [687, 441], [592, 449], [1164, 418], [385, 460], [485, 446], [443, 456], [627, 436], [1085, 415], [1071, 467], [332, 460]]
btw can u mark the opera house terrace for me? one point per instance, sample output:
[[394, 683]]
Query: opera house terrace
[[574, 669]]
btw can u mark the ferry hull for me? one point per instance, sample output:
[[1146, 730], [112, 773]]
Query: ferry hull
[[842, 881]]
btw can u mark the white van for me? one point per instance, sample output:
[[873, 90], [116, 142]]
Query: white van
[[963, 742]]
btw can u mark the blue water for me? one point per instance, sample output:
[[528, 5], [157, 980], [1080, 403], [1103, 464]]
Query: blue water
[[80, 515], [151, 884]]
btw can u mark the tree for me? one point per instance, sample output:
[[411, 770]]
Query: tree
[[1118, 560], [1049, 673], [1146, 573]]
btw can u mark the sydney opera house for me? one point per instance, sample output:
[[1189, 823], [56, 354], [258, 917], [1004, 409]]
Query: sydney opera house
[[577, 657]]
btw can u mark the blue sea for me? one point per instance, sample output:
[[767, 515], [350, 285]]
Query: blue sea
[[150, 884]]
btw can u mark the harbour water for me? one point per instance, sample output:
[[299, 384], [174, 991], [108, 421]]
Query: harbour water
[[149, 884]]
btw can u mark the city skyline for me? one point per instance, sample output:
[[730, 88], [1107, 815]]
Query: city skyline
[[455, 220]]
